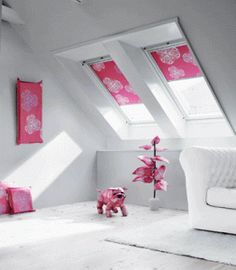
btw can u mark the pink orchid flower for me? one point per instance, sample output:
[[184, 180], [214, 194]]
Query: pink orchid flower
[[146, 147], [159, 173], [159, 158], [155, 140], [161, 185], [144, 171], [146, 160], [150, 173], [144, 179]]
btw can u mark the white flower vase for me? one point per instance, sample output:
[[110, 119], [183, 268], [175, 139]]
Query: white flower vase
[[154, 204]]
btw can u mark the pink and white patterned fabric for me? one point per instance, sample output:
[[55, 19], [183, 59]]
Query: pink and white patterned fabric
[[20, 200], [29, 112], [4, 204], [176, 63], [115, 82]]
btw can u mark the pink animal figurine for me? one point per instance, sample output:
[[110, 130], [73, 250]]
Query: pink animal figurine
[[112, 198]]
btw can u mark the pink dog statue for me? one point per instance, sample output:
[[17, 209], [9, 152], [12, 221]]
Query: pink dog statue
[[112, 198]]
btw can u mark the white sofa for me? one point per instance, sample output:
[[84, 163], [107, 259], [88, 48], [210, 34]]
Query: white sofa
[[211, 188]]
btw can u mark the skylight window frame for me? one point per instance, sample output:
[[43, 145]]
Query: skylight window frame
[[147, 50], [86, 65]]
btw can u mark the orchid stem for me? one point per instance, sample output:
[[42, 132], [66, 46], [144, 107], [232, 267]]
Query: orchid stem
[[155, 153]]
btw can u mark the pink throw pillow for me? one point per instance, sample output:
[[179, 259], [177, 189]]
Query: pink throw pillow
[[20, 200], [4, 204]]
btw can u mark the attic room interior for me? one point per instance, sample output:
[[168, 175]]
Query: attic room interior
[[118, 134]]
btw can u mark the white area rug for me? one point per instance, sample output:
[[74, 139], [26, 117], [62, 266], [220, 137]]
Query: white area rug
[[173, 235]]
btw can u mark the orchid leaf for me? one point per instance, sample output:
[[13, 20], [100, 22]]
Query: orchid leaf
[[143, 179], [161, 185], [147, 160], [146, 147], [159, 172], [143, 171], [159, 158]]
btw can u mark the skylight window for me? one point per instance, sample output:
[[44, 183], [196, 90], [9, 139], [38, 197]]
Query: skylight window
[[195, 98], [122, 93], [185, 81]]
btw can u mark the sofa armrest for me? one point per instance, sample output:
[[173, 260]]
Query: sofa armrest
[[196, 168], [207, 167]]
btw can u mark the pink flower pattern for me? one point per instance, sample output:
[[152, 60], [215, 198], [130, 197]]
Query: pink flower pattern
[[98, 66], [29, 100], [176, 73], [113, 86], [122, 100], [32, 124], [129, 89], [176, 63], [168, 56], [188, 58], [116, 83]]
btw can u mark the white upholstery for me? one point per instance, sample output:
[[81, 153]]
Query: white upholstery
[[204, 169], [221, 197]]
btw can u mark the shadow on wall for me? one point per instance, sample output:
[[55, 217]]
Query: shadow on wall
[[45, 166]]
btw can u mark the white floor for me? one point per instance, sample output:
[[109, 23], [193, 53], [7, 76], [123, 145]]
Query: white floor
[[72, 237]]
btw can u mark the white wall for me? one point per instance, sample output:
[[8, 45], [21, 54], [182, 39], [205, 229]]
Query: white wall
[[63, 168], [114, 168], [173, 143]]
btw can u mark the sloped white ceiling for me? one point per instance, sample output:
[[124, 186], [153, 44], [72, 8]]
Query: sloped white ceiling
[[209, 24]]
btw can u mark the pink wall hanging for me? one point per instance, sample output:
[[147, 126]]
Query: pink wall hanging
[[115, 82], [29, 112], [176, 62]]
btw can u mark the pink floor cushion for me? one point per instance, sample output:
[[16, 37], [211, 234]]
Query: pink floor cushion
[[4, 204], [20, 200]]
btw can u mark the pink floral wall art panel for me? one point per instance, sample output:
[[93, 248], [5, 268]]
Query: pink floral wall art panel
[[29, 112], [176, 63], [115, 82]]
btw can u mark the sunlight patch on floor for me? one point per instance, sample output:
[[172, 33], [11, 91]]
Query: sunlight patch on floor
[[26, 231]]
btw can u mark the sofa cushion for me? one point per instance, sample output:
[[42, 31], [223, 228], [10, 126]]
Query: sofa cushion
[[221, 197], [4, 204], [20, 199]]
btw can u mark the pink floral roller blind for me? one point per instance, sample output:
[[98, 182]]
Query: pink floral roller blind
[[176, 62], [115, 82]]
